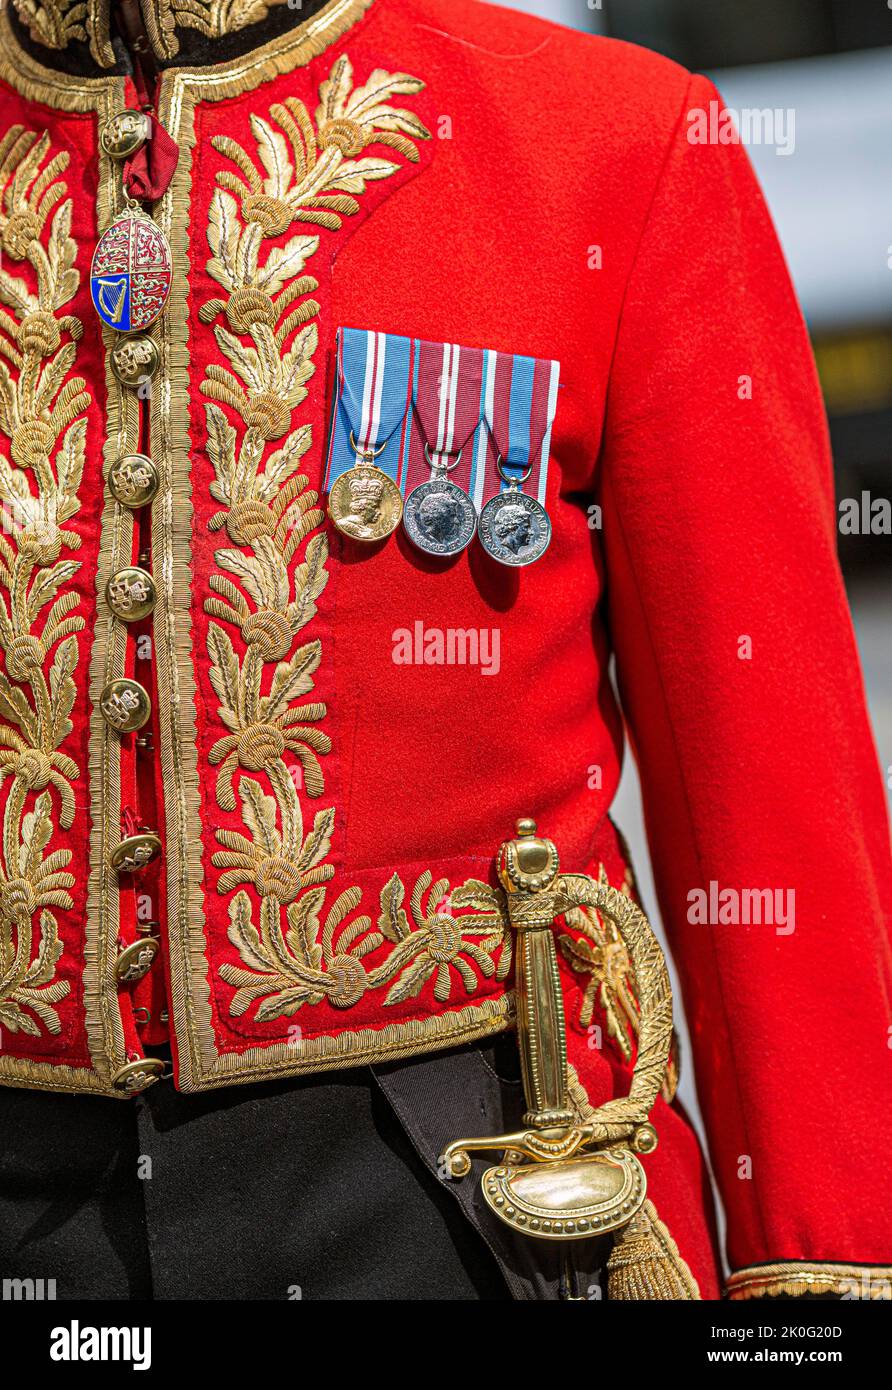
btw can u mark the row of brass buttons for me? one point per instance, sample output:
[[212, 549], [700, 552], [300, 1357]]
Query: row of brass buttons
[[130, 594]]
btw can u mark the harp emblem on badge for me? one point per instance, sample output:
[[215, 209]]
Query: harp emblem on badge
[[111, 295]]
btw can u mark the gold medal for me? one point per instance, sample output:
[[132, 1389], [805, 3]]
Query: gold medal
[[364, 503]]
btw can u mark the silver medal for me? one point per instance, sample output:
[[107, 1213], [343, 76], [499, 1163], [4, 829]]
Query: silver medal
[[439, 516], [514, 528]]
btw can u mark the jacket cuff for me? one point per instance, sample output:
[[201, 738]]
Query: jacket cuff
[[798, 1278]]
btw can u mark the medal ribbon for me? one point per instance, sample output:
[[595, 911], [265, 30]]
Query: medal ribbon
[[448, 408], [520, 396], [146, 175], [373, 399], [408, 393]]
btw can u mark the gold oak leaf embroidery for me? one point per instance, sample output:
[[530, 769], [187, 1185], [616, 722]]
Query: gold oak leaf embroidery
[[213, 18], [311, 962], [600, 954], [307, 173], [441, 942], [300, 949], [264, 727], [57, 23], [39, 408]]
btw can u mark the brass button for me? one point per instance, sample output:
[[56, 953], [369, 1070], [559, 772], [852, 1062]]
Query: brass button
[[134, 1077], [135, 852], [135, 359], [133, 480], [130, 594], [126, 705], [125, 133], [136, 960]]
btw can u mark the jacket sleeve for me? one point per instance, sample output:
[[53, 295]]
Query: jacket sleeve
[[740, 681]]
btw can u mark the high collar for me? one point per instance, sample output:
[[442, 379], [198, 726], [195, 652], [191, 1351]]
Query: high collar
[[92, 37]]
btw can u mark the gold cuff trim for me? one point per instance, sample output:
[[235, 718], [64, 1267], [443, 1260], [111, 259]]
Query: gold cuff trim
[[793, 1279]]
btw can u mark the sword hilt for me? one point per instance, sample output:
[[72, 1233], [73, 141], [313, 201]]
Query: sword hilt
[[568, 1177], [528, 871]]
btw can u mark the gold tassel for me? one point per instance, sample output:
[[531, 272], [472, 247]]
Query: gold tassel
[[645, 1263]]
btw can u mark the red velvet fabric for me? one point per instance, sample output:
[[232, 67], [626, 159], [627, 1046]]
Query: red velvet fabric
[[560, 212]]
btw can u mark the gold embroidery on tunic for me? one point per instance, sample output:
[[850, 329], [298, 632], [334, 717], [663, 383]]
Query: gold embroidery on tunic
[[40, 406], [22, 200], [203, 1062], [310, 962], [302, 952], [57, 23], [213, 18], [600, 954]]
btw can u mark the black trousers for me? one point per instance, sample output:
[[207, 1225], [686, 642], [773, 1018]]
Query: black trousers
[[323, 1188]]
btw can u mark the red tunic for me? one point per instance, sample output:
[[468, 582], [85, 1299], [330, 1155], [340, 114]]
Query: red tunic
[[317, 802]]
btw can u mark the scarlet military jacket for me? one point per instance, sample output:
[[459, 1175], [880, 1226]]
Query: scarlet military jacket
[[236, 776]]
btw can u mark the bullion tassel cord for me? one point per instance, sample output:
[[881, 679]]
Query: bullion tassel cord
[[645, 1263]]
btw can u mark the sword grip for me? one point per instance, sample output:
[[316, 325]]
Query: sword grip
[[541, 1032], [528, 869]]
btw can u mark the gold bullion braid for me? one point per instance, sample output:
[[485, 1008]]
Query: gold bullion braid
[[41, 415], [795, 1278], [302, 948]]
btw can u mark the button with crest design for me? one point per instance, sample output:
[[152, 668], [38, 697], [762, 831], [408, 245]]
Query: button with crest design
[[136, 960], [135, 1076], [125, 133], [135, 359], [130, 594], [133, 480], [136, 852], [126, 705]]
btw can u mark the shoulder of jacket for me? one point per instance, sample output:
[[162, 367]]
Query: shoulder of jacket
[[586, 79]]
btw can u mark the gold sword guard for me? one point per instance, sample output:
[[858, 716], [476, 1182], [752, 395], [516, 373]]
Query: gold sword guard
[[560, 1178]]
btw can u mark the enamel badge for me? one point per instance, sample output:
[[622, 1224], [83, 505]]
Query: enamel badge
[[130, 274]]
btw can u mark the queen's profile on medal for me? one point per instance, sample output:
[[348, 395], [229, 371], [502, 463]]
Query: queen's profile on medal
[[440, 517], [514, 528]]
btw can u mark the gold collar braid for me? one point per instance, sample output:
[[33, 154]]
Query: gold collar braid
[[57, 23]]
